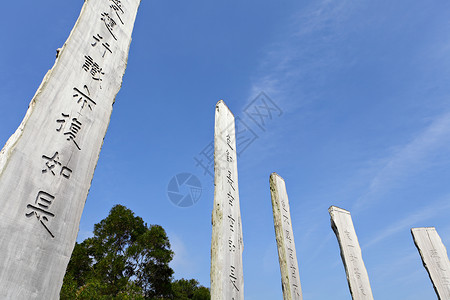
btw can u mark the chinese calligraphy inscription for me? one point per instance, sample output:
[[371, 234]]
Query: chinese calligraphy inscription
[[358, 279], [290, 278], [435, 259], [227, 280], [47, 166], [40, 209]]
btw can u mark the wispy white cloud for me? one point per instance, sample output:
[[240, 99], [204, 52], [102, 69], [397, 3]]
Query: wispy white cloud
[[289, 61], [299, 56], [414, 156], [320, 247], [395, 270], [405, 224]]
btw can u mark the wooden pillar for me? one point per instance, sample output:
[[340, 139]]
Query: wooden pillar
[[287, 255], [435, 259], [227, 281], [47, 165], [357, 277]]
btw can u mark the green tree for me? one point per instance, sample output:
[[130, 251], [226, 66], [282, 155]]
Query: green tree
[[184, 289], [125, 259], [202, 293]]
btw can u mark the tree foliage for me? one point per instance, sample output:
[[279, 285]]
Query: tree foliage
[[184, 289], [126, 259]]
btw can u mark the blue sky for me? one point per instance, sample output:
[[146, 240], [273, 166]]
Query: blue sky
[[365, 125]]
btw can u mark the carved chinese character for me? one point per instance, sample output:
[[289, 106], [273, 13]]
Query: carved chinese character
[[53, 164], [117, 7], [290, 253], [293, 269], [228, 155], [283, 205], [348, 234], [230, 181], [233, 277], [353, 257], [440, 266], [84, 98], [361, 288], [105, 45], [229, 142], [74, 128], [93, 68], [231, 245], [434, 253], [232, 221], [40, 209], [296, 291], [61, 121], [230, 198], [109, 23], [288, 236], [286, 219]]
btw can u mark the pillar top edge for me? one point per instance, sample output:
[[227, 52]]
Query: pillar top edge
[[333, 208], [222, 103]]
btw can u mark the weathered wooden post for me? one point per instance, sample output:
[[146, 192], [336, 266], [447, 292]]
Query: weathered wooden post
[[435, 259], [357, 277], [47, 165], [287, 255], [227, 281]]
